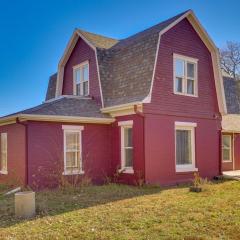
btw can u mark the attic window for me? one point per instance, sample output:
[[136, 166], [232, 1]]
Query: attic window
[[81, 79], [185, 75]]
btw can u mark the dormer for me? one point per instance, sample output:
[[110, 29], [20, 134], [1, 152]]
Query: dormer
[[78, 70]]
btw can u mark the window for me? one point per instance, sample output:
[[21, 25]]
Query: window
[[72, 150], [226, 148], [185, 146], [81, 79], [185, 75], [126, 146], [3, 156]]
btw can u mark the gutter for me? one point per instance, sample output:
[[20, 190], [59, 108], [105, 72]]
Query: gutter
[[54, 118]]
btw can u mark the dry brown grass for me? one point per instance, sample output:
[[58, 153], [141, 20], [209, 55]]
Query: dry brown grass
[[125, 212]]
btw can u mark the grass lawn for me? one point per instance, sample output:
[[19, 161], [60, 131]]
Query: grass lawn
[[124, 212]]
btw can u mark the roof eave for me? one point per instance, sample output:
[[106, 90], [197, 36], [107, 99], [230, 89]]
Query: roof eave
[[54, 118]]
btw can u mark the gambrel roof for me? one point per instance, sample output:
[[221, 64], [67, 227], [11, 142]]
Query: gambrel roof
[[126, 67]]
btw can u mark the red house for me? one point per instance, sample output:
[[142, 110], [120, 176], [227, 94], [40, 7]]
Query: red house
[[148, 107]]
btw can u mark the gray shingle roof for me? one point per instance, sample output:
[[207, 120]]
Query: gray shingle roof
[[126, 69], [125, 66], [67, 106], [232, 95], [51, 87]]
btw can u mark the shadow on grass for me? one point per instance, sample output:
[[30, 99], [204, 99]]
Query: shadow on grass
[[59, 201]]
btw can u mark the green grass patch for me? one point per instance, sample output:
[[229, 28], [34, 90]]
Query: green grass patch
[[124, 212]]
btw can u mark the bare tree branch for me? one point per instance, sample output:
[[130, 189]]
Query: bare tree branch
[[230, 59]]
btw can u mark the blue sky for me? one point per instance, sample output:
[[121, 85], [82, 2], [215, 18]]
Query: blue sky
[[33, 35]]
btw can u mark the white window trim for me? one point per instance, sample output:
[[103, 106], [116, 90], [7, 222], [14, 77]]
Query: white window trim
[[75, 129], [81, 65], [190, 60], [230, 149], [123, 125], [184, 167], [5, 171]]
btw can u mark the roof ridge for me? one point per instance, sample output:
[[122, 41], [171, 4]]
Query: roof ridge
[[96, 34]]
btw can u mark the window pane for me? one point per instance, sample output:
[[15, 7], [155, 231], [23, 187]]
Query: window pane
[[85, 88], [226, 141], [78, 89], [178, 85], [226, 154], [128, 137], [72, 141], [190, 70], [128, 157], [190, 86], [72, 159], [179, 67], [85, 73], [77, 75], [183, 147]]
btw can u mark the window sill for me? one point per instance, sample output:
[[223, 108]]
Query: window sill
[[126, 170], [4, 172], [227, 161], [67, 173], [185, 94], [192, 169]]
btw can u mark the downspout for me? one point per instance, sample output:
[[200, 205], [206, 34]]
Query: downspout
[[26, 148], [233, 151], [143, 117], [220, 153]]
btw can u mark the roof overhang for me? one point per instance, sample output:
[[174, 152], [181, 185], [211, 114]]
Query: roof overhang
[[123, 109], [231, 123], [53, 118], [214, 54]]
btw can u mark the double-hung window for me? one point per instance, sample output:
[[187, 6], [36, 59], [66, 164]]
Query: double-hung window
[[185, 75], [126, 146], [226, 148], [3, 155], [73, 150], [185, 146], [81, 79]]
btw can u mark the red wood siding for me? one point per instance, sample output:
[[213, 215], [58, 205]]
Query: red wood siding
[[45, 152], [16, 154], [82, 52], [166, 108], [182, 39], [160, 149], [138, 149]]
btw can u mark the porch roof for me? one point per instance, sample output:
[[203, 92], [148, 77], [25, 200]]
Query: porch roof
[[231, 123], [65, 108]]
